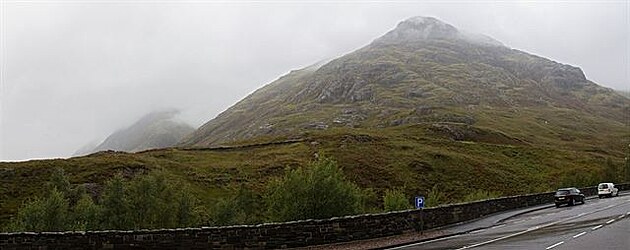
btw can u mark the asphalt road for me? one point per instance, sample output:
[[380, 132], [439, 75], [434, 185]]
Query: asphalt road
[[598, 224]]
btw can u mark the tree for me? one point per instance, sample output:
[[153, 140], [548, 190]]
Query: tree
[[610, 171], [395, 200], [187, 214], [225, 212], [86, 214], [318, 191], [59, 181], [49, 213], [144, 202], [241, 208], [55, 211], [115, 205], [30, 217]]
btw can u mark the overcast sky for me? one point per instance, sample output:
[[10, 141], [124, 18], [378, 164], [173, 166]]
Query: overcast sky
[[73, 72]]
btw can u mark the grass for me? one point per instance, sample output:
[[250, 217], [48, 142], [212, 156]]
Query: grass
[[409, 157], [439, 114]]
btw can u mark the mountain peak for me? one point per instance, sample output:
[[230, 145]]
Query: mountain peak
[[422, 28]]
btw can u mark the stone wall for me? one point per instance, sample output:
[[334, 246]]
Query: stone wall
[[280, 235]]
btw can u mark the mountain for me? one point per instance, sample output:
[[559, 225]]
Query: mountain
[[426, 71], [425, 107], [154, 130]]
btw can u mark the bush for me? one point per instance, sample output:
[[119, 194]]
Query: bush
[[146, 202], [115, 205], [48, 214], [30, 217], [395, 200], [242, 208], [480, 195], [435, 197], [86, 214], [316, 192]]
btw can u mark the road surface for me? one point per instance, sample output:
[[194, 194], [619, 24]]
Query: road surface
[[598, 224]]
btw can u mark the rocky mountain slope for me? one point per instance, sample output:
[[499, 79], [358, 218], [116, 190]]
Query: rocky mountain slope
[[427, 71], [424, 107], [154, 130]]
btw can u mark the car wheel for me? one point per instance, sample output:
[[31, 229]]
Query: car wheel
[[600, 196], [571, 202], [557, 205]]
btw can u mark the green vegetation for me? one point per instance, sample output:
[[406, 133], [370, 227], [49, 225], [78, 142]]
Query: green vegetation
[[143, 203], [316, 192], [395, 200], [479, 195], [411, 158], [437, 118], [245, 207], [435, 197], [151, 201]]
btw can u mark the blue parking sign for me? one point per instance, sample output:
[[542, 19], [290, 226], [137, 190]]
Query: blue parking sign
[[419, 201]]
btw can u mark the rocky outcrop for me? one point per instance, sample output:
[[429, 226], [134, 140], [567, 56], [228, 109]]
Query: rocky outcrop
[[423, 62]]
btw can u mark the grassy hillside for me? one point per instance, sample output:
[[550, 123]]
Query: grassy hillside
[[399, 80], [413, 157], [422, 108]]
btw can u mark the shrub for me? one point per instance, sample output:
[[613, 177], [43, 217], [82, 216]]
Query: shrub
[[145, 202], [318, 191], [435, 197], [480, 195], [30, 217], [395, 200], [47, 214], [86, 214]]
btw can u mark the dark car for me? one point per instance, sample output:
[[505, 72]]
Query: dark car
[[568, 196]]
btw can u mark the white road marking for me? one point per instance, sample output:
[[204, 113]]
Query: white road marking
[[424, 242], [621, 217], [610, 221], [578, 235], [555, 245], [518, 233]]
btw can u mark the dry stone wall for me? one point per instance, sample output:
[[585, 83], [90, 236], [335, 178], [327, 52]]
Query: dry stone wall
[[280, 235]]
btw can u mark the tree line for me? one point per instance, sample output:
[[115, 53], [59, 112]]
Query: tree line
[[152, 201]]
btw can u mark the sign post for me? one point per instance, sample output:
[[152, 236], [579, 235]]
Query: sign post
[[419, 203]]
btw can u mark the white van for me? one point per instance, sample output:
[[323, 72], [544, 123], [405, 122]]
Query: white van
[[607, 189]]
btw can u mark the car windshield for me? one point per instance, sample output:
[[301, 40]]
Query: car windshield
[[562, 192], [603, 186]]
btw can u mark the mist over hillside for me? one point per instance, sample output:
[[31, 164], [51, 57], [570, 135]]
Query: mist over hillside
[[426, 71], [154, 130]]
